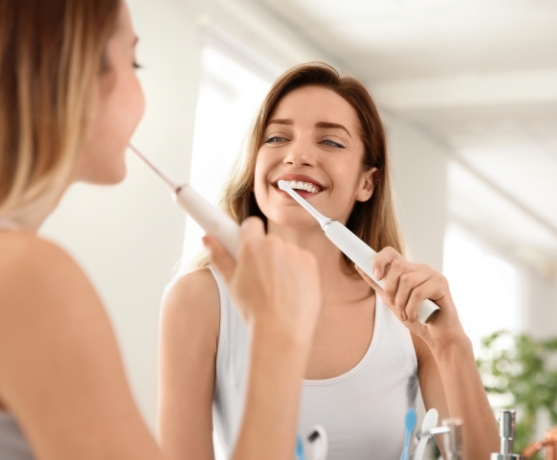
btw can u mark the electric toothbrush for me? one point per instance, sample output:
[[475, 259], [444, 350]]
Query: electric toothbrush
[[211, 219], [354, 248]]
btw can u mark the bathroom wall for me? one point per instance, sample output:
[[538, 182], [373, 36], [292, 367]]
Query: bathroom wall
[[420, 181], [129, 237], [541, 298]]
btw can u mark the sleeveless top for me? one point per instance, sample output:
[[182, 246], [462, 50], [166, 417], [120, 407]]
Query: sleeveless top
[[362, 411], [13, 445]]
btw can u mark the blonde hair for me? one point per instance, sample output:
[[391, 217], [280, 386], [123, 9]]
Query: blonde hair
[[51, 55], [374, 221]]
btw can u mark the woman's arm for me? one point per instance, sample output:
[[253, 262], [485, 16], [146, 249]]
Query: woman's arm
[[277, 288], [188, 346], [444, 351], [450, 383], [61, 375]]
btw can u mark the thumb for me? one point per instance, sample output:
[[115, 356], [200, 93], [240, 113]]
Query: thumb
[[220, 258], [253, 228]]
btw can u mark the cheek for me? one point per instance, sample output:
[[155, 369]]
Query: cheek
[[117, 118], [261, 177], [126, 109]]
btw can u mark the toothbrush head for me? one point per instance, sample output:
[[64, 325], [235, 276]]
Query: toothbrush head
[[283, 185]]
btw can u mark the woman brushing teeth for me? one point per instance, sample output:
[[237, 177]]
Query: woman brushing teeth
[[322, 134]]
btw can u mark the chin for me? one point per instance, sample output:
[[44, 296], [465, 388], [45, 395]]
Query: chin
[[114, 177], [107, 176], [292, 218]]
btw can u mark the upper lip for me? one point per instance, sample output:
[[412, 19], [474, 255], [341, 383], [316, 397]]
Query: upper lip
[[299, 178]]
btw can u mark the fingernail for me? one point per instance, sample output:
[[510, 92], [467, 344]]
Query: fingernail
[[376, 274]]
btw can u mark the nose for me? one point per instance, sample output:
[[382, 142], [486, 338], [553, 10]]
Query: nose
[[300, 154]]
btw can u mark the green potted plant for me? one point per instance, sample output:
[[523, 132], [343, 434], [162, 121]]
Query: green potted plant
[[520, 373]]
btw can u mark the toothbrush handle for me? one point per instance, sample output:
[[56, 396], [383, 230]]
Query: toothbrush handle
[[404, 455], [420, 451], [362, 255], [211, 219]]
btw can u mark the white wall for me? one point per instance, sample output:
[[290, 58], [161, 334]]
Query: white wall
[[128, 238], [420, 178], [541, 301]]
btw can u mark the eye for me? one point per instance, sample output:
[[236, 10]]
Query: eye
[[137, 66], [274, 140], [331, 143]]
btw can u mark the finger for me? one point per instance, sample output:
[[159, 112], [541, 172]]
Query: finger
[[379, 290], [220, 258], [369, 281], [382, 261], [253, 228], [424, 291], [417, 296], [252, 235], [406, 284], [390, 286]]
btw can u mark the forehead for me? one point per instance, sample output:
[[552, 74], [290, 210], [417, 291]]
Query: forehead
[[311, 104], [124, 27]]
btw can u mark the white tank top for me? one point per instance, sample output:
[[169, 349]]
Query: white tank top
[[362, 410]]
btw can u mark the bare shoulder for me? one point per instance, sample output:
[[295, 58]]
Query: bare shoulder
[[59, 355], [25, 246], [198, 287], [33, 269], [42, 289], [192, 301]]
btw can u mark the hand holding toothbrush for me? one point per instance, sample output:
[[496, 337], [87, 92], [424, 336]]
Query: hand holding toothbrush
[[406, 285]]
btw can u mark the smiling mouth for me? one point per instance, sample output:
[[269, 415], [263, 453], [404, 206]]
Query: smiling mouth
[[301, 186]]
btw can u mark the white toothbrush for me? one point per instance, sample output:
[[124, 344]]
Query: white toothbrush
[[355, 249], [211, 219], [318, 443], [430, 421]]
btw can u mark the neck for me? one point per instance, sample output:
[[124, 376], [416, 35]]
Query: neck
[[338, 279], [31, 217]]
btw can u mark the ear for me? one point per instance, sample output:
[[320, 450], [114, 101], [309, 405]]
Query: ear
[[368, 181]]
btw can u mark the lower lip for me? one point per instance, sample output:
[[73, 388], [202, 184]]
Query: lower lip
[[304, 194]]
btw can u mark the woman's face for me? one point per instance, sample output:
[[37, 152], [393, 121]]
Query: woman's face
[[312, 139], [117, 111]]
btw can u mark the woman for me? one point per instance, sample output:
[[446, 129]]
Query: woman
[[70, 103], [322, 133]]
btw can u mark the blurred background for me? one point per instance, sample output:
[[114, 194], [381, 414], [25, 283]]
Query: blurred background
[[468, 94]]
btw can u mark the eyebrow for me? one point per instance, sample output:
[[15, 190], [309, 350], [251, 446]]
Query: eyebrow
[[320, 124], [280, 121], [326, 124]]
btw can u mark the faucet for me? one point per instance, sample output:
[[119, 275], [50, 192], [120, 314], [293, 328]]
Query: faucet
[[451, 430], [507, 433]]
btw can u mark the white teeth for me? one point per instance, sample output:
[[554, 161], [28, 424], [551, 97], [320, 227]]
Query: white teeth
[[299, 185]]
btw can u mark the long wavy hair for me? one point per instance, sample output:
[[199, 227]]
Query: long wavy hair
[[374, 221], [51, 55]]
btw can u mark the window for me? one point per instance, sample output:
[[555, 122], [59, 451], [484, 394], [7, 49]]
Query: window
[[229, 97], [486, 287]]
